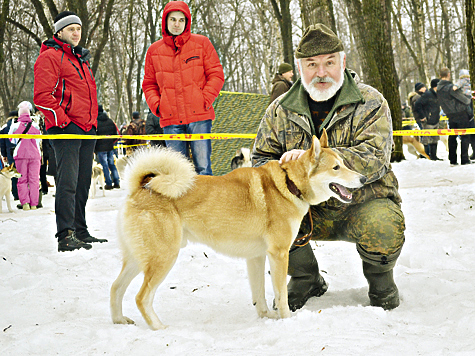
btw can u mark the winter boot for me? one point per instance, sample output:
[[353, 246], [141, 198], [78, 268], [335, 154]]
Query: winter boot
[[378, 270], [305, 281], [433, 152], [90, 239], [70, 242]]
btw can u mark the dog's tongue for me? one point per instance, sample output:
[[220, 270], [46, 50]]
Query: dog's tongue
[[342, 191]]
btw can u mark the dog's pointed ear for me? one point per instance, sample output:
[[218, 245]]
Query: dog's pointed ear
[[324, 139], [316, 147]]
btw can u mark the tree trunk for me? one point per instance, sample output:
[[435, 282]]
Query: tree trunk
[[105, 37], [419, 36], [317, 11], [285, 22], [470, 30], [3, 24], [364, 41], [373, 38], [446, 23]]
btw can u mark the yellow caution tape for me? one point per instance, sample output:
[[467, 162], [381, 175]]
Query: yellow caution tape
[[438, 132], [174, 137], [219, 136]]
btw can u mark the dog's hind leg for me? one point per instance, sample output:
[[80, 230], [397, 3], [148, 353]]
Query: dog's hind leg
[[130, 270], [279, 261], [154, 274], [256, 273]]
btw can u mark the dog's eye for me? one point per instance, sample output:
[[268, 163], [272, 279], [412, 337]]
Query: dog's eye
[[337, 167]]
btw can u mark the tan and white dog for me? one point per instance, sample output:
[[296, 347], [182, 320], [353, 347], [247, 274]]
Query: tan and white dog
[[97, 177], [121, 163], [6, 175], [242, 158], [249, 213]]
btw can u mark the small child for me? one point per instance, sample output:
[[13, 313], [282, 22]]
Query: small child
[[464, 83], [27, 157]]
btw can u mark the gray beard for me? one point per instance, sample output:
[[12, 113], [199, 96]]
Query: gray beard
[[319, 95]]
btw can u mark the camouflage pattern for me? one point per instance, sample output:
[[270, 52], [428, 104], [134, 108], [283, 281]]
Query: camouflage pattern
[[359, 128], [376, 225]]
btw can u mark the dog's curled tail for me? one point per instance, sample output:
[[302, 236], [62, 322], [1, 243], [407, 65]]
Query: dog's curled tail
[[161, 170]]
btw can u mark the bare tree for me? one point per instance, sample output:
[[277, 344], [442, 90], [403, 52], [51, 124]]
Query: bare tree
[[3, 23], [284, 18], [470, 31], [317, 11]]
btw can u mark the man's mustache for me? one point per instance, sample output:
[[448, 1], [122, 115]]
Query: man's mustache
[[322, 80]]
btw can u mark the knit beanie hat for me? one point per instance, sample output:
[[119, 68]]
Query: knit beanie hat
[[284, 68], [25, 107], [419, 86], [434, 82], [64, 19], [135, 114], [464, 72], [316, 40]]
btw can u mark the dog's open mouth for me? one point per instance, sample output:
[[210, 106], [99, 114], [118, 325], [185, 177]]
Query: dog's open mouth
[[342, 192]]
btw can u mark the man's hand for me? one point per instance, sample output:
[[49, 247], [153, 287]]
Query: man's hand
[[291, 155], [423, 120]]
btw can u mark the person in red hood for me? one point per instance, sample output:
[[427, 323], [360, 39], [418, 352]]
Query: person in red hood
[[183, 77], [65, 92]]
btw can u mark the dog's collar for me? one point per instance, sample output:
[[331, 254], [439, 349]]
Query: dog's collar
[[292, 187]]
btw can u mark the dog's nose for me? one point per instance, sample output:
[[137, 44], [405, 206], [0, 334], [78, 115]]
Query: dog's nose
[[363, 179]]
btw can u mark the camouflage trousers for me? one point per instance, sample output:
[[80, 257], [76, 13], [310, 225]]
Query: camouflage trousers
[[376, 225]]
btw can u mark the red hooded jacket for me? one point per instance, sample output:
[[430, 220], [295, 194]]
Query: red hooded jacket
[[65, 89], [183, 74]]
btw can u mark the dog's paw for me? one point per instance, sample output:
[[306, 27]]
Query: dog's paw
[[271, 314], [123, 320], [158, 326]]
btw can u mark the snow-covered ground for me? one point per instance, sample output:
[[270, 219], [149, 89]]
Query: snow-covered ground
[[58, 303]]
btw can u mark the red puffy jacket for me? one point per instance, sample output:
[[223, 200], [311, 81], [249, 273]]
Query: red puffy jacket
[[65, 89], [183, 74]]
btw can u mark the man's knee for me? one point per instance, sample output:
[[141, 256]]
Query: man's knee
[[378, 226]]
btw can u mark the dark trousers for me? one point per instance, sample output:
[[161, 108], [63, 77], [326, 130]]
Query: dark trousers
[[465, 142], [73, 179]]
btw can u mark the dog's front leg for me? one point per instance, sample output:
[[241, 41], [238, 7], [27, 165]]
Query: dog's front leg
[[256, 273], [279, 261]]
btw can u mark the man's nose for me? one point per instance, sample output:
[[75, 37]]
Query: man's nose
[[321, 71]]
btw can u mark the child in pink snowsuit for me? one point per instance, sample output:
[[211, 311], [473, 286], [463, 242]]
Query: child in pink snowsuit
[[27, 157]]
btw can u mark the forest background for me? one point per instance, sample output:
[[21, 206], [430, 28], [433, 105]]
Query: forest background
[[391, 44]]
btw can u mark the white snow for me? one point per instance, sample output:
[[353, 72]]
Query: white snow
[[58, 303]]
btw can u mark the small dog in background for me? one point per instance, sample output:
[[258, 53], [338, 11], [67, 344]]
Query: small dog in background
[[413, 144], [6, 175], [121, 163], [242, 158], [97, 177]]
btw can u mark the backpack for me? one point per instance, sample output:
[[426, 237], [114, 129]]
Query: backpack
[[136, 127]]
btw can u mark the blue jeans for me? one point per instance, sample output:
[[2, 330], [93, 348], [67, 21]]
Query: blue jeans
[[200, 149], [106, 159]]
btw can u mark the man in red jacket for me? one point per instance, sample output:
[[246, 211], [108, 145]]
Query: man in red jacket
[[183, 77], [65, 92]]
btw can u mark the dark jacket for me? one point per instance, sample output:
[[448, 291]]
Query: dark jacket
[[455, 105], [427, 106], [5, 144], [65, 89], [152, 127], [105, 126], [280, 85]]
